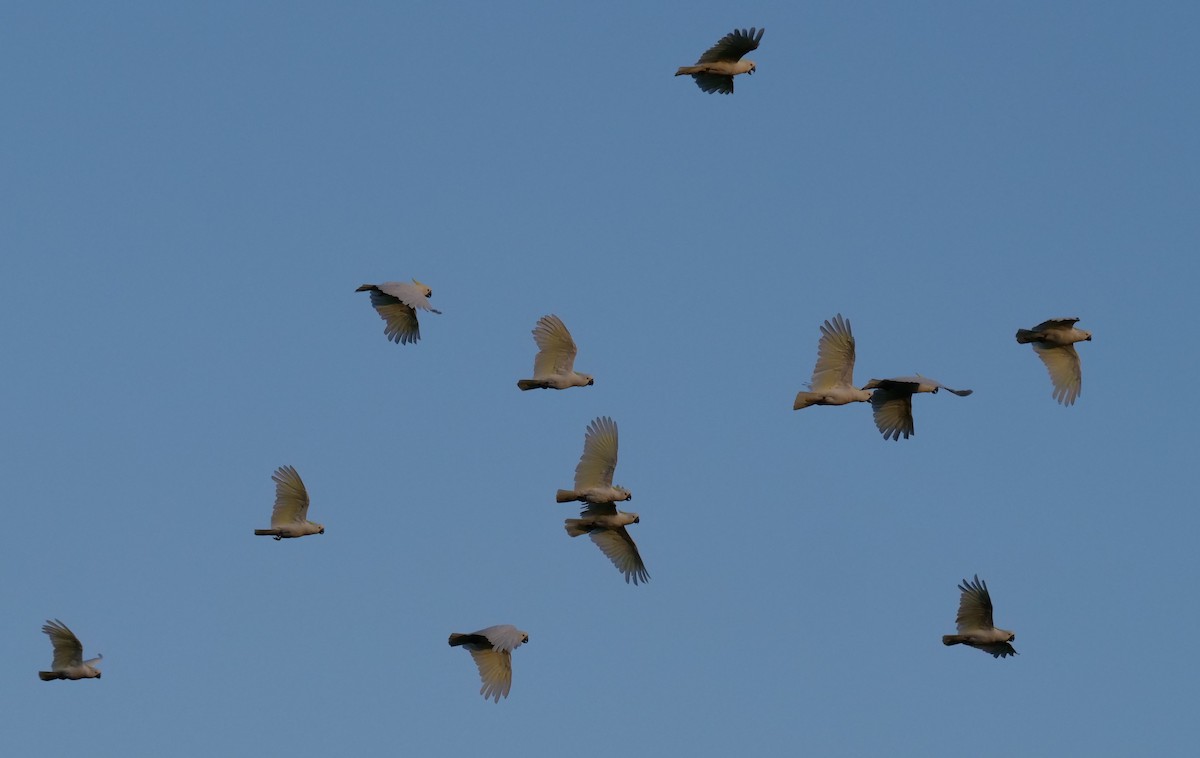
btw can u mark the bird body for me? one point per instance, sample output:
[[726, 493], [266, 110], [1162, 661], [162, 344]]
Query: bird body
[[833, 376], [290, 515], [554, 365], [397, 304], [491, 648], [1054, 342], [68, 660], [718, 65], [594, 472], [891, 402], [974, 622]]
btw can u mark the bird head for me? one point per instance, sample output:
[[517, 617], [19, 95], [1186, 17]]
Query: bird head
[[637, 519], [752, 68], [320, 528], [428, 292], [1088, 338], [592, 380], [99, 674], [524, 639], [628, 495], [1012, 636]]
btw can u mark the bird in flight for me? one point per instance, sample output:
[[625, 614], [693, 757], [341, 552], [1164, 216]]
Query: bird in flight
[[1054, 341], [892, 402], [594, 473], [492, 650], [833, 376], [715, 70], [554, 366], [397, 304], [290, 516], [974, 622], [68, 660]]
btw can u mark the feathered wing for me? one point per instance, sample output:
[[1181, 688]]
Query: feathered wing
[[974, 607], [733, 46], [892, 409], [556, 348], [1055, 323], [291, 498], [1062, 362], [495, 671], [397, 304], [998, 649], [599, 459], [835, 356], [504, 636], [622, 551], [68, 650]]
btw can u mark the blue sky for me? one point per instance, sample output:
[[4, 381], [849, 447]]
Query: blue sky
[[191, 195]]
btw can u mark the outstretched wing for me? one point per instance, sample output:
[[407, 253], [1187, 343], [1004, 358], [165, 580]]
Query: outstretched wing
[[892, 408], [396, 304], [556, 349], [1055, 323], [974, 607], [68, 650], [835, 356], [1063, 364], [599, 459], [732, 46], [622, 551], [495, 671], [291, 499]]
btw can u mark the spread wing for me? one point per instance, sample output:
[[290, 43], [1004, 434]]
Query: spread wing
[[835, 356], [68, 650], [975, 608], [556, 349], [732, 47], [397, 304], [622, 551], [710, 83], [998, 650], [599, 459], [892, 407], [291, 499], [1063, 364], [495, 671], [1055, 323]]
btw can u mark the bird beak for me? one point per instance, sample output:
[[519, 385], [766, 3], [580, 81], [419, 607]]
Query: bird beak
[[322, 531], [637, 519], [593, 381], [99, 674]]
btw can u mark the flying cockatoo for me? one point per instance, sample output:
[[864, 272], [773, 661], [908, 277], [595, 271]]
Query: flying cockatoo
[[68, 655], [290, 517], [594, 474], [1054, 341], [606, 526], [892, 402], [974, 622], [492, 650], [833, 377], [397, 304], [554, 366], [715, 70]]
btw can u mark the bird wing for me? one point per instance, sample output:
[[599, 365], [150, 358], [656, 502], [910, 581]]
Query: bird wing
[[1055, 323], [622, 551], [891, 404], [291, 499], [68, 650], [998, 650], [409, 293], [504, 636], [599, 459], [495, 671], [722, 83], [556, 349], [400, 320], [974, 607], [598, 509], [732, 46], [835, 356], [1063, 364]]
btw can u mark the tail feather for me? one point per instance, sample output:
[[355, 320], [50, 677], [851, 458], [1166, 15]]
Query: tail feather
[[531, 384], [953, 639], [1025, 335], [266, 532], [457, 639], [805, 399], [576, 527], [565, 496], [49, 675]]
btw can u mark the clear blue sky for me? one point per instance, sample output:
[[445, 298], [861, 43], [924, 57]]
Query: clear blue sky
[[191, 193]]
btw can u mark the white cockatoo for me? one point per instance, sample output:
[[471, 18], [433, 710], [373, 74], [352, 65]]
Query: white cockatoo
[[892, 402], [974, 622], [594, 473], [68, 655], [833, 376], [397, 304], [715, 70], [1054, 341], [606, 526], [554, 366], [290, 517], [492, 650]]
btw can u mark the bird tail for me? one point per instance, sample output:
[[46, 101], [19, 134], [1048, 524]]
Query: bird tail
[[953, 639], [266, 532], [576, 527], [457, 639], [805, 399], [47, 676], [531, 384], [688, 70], [565, 496], [1025, 335], [365, 288]]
